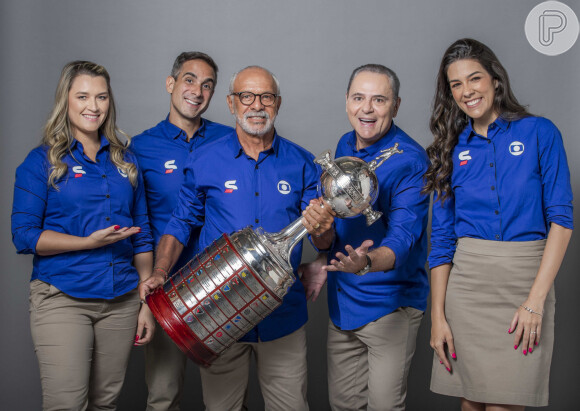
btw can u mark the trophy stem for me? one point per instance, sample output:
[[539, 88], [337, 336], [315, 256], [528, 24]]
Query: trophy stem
[[281, 243]]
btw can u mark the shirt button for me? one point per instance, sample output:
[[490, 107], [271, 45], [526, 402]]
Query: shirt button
[[339, 289], [491, 126], [491, 164], [496, 212], [108, 196], [110, 264], [257, 220], [492, 188], [108, 218], [488, 141], [104, 176], [257, 194], [497, 236], [257, 167]]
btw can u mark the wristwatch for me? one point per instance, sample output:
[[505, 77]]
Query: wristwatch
[[366, 268]]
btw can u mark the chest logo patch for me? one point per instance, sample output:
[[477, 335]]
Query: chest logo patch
[[464, 157], [516, 148], [284, 187], [78, 170], [122, 172], [170, 166], [230, 186]]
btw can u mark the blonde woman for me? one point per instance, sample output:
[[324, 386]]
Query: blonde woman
[[79, 207]]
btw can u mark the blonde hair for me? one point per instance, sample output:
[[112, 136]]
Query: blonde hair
[[57, 134]]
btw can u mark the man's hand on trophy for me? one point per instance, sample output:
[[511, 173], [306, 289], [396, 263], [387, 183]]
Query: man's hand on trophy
[[355, 261], [156, 280], [313, 276], [318, 217]]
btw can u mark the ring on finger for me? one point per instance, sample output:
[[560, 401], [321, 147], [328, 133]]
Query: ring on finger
[[533, 332], [317, 226]]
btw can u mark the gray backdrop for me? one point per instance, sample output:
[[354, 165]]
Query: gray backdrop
[[312, 46]]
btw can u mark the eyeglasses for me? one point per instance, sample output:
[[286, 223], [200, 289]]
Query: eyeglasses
[[247, 98]]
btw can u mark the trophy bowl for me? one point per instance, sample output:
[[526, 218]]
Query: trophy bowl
[[357, 178]]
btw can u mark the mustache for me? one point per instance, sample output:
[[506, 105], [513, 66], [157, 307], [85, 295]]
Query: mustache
[[262, 114]]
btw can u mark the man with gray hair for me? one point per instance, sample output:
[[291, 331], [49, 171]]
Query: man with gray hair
[[376, 296], [251, 176]]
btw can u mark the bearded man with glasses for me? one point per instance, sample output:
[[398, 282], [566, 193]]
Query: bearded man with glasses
[[252, 176]]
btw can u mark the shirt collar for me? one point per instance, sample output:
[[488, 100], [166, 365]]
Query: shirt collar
[[237, 150], [468, 132], [378, 145], [78, 146], [174, 132]]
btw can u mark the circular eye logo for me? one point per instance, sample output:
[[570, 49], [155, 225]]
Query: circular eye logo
[[516, 148], [284, 187], [552, 28]]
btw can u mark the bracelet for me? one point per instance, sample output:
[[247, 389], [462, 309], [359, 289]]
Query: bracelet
[[530, 310], [165, 273]]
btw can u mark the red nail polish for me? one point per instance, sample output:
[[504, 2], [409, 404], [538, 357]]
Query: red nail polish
[[510, 331], [454, 356], [136, 338], [530, 350], [448, 369], [117, 227], [525, 351], [515, 347], [440, 362], [536, 343]]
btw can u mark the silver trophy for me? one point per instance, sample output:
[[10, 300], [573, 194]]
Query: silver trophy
[[227, 289]]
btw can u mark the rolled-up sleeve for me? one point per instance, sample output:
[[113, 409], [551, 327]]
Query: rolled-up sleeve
[[407, 216], [189, 212], [556, 187], [443, 238], [142, 241], [29, 205]]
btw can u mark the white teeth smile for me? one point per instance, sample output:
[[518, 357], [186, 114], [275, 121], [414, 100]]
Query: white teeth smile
[[472, 102], [192, 102], [366, 121], [90, 117]]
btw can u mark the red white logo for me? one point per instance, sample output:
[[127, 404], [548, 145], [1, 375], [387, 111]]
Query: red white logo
[[170, 166], [78, 170], [464, 157], [230, 186]]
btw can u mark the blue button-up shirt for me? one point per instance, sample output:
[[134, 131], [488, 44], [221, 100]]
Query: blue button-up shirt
[[507, 187], [91, 196], [225, 190], [162, 153], [354, 301]]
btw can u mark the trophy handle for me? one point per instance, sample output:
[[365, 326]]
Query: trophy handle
[[371, 215]]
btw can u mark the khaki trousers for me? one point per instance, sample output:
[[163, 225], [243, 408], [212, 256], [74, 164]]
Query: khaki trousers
[[164, 373], [368, 367], [82, 346], [282, 373]]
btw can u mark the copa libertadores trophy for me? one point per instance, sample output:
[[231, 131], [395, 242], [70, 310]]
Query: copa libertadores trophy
[[227, 289]]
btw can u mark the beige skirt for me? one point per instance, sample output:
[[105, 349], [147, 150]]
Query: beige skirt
[[488, 282]]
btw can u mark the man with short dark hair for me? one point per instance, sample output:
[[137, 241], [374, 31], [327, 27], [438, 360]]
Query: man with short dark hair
[[251, 177], [161, 153], [377, 292]]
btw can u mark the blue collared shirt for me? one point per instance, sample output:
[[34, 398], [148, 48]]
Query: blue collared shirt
[[225, 190], [91, 196], [354, 301], [162, 153], [507, 187]]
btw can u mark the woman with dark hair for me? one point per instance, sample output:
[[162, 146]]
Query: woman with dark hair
[[79, 207], [502, 219]]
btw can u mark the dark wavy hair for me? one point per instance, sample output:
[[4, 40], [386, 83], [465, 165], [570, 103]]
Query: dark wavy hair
[[448, 121]]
